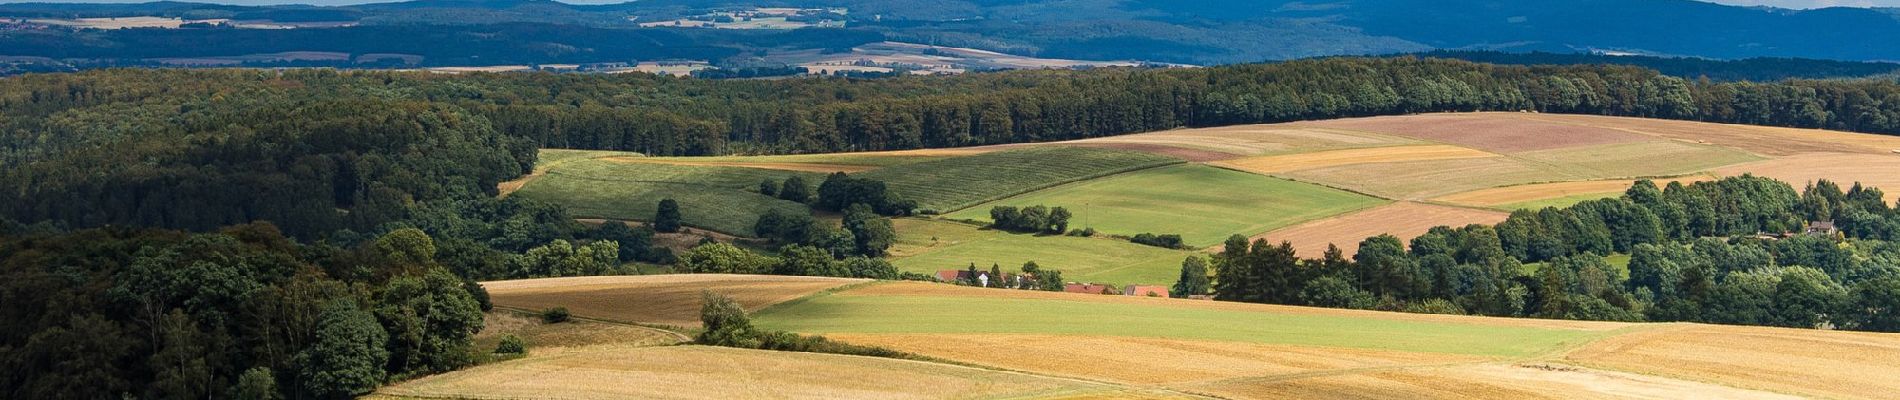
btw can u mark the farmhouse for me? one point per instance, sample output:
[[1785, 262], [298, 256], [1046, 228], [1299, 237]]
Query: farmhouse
[[1145, 290], [953, 275], [1089, 288], [1822, 228]]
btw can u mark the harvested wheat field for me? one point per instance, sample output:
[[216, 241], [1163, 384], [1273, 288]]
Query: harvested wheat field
[[672, 300], [1882, 170], [1542, 191], [1403, 219], [1253, 140], [913, 288], [1416, 180], [1161, 360], [1772, 141], [699, 372], [1501, 381], [1485, 131], [1294, 162], [1801, 361]]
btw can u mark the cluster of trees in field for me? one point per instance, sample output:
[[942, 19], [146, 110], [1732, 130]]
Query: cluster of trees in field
[[1036, 218], [1166, 241], [1733, 251], [1030, 277], [241, 313]]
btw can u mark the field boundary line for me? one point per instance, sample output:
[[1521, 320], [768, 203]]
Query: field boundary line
[[815, 295]]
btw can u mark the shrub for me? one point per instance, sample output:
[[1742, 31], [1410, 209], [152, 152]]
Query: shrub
[[1169, 241], [555, 315], [511, 344]]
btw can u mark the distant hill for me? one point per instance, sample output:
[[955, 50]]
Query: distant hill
[[1200, 32]]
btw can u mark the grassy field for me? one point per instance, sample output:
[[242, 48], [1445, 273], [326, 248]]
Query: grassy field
[[721, 199], [847, 313], [672, 300], [1203, 204], [955, 183], [926, 246]]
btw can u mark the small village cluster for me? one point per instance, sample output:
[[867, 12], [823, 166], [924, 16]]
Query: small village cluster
[[983, 279]]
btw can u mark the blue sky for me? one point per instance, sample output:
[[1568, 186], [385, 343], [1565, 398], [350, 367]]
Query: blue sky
[[1803, 4], [1811, 3]]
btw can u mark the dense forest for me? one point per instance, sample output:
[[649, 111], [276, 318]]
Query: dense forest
[[129, 192], [1734, 251], [322, 150]]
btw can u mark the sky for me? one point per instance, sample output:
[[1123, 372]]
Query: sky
[[1806, 4], [1797, 4]]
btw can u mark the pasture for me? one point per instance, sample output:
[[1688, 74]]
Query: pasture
[[955, 183], [1203, 204], [926, 246], [718, 198], [672, 300]]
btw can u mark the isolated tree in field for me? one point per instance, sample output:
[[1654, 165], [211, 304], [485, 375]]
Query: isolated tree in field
[[768, 187], [667, 219], [725, 322], [1193, 279], [795, 189]]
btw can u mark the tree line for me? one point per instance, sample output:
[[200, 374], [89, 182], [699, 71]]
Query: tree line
[[1734, 251]]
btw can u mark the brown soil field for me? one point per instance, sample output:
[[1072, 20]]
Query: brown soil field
[[1485, 131], [1479, 381], [1161, 360], [1773, 141], [1418, 180], [1322, 159], [1877, 170], [1403, 219], [1541, 191], [672, 300], [912, 288], [699, 372], [1253, 140], [807, 167], [1802, 361]]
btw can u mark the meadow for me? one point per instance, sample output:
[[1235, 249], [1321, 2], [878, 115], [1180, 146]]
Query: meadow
[[955, 183], [717, 198], [1203, 204], [846, 313], [926, 246]]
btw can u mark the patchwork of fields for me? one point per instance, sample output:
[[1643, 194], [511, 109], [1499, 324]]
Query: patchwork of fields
[[1312, 183], [1023, 344]]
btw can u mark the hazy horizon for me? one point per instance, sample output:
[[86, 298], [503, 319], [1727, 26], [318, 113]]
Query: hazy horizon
[[1791, 4]]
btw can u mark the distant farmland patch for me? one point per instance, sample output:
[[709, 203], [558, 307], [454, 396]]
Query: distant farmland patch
[[1509, 197], [1203, 204], [927, 246], [1294, 162], [955, 183], [718, 198]]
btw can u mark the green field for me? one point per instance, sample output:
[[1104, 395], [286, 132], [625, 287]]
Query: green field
[[861, 159], [845, 313], [1203, 204], [928, 246], [722, 199], [954, 183]]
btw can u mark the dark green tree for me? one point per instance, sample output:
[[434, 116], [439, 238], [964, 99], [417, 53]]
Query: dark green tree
[[667, 219], [1193, 280]]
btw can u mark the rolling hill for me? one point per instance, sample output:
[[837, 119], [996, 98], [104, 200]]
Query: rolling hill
[[1016, 344]]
